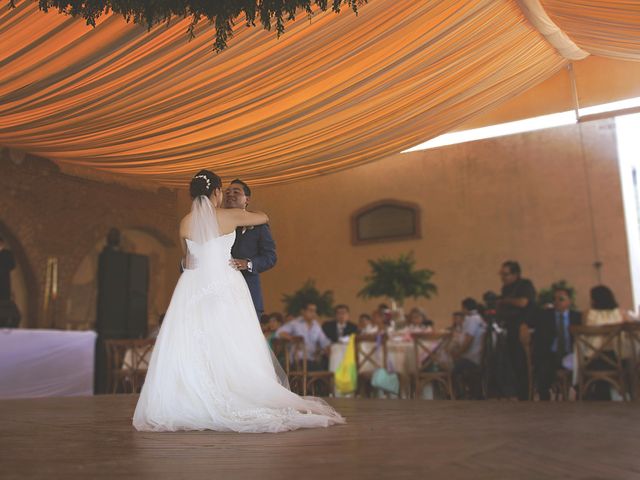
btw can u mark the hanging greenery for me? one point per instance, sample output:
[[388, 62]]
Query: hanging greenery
[[545, 295], [222, 14], [398, 279], [308, 293]]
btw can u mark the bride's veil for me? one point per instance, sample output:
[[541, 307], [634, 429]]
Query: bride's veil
[[204, 227], [204, 222]]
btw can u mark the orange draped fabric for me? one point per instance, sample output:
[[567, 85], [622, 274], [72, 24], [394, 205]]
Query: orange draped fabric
[[608, 28], [332, 93]]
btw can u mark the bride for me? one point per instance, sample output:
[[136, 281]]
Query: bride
[[211, 367]]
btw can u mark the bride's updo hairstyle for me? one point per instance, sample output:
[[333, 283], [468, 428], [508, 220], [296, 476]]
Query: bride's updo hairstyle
[[204, 183]]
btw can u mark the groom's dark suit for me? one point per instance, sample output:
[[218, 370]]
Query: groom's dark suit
[[257, 245]]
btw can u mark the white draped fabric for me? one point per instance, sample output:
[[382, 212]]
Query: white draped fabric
[[46, 363]]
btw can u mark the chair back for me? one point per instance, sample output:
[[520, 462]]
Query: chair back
[[371, 352], [429, 349], [632, 338], [128, 359], [594, 342], [294, 352], [632, 330]]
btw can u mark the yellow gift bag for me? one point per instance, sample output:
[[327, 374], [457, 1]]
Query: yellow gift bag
[[346, 375]]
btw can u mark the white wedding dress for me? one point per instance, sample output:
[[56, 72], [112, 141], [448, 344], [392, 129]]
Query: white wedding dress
[[211, 367]]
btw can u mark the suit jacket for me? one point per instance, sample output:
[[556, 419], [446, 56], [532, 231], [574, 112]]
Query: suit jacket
[[255, 244], [545, 332], [330, 329]]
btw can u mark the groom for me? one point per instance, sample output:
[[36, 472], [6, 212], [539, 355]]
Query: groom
[[254, 251]]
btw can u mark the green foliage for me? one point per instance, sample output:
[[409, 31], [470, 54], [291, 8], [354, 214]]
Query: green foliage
[[222, 14], [308, 293], [398, 280], [545, 295]]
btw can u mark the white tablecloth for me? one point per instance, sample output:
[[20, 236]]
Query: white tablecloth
[[401, 354], [46, 363]]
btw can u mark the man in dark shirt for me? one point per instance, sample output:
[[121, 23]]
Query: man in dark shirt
[[341, 326], [7, 263], [516, 310]]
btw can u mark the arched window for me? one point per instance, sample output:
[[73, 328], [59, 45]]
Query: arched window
[[386, 221]]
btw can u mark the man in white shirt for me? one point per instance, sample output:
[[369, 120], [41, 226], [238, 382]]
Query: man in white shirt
[[316, 342], [468, 355]]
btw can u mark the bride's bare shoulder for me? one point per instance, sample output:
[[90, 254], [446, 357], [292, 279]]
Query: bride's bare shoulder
[[184, 225], [225, 219]]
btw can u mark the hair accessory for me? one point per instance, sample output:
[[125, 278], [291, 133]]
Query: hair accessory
[[206, 179]]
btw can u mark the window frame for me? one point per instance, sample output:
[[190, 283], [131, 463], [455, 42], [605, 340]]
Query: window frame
[[414, 207]]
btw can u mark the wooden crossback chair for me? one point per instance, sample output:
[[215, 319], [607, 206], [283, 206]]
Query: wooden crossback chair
[[320, 382], [293, 353], [301, 379], [127, 364], [562, 384], [371, 354], [593, 344], [429, 367], [632, 337]]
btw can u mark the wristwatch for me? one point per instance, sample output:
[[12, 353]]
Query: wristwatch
[[249, 265]]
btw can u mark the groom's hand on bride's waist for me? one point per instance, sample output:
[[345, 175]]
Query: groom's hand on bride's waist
[[240, 264]]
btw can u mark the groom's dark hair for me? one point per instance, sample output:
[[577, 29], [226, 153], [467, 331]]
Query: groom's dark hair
[[245, 187]]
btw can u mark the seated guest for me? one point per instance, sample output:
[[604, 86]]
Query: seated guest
[[273, 323], [552, 340], [467, 356], [316, 342], [384, 309], [264, 322], [341, 326], [457, 319], [379, 321], [418, 321], [604, 308], [366, 325], [384, 318], [604, 311]]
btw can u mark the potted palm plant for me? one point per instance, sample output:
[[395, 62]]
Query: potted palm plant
[[308, 293], [398, 279]]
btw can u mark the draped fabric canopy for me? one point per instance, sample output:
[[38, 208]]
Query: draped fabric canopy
[[605, 28], [332, 93]]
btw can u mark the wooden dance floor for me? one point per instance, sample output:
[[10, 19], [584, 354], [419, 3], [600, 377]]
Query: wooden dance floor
[[92, 438]]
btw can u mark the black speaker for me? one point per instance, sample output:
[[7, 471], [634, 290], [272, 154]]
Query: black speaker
[[123, 290], [113, 291]]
